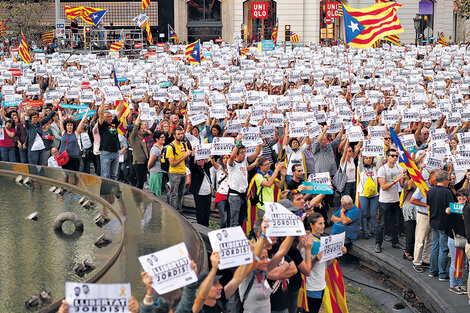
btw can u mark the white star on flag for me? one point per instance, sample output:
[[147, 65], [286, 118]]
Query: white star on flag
[[354, 26], [94, 16]]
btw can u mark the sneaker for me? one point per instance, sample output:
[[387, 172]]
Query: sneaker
[[455, 290], [398, 246], [378, 248], [444, 279], [463, 289], [432, 275], [418, 268], [388, 238]]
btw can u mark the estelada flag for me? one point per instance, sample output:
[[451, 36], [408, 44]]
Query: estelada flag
[[172, 34], [334, 299], [23, 50], [363, 27], [407, 160], [294, 37], [89, 15], [48, 37], [193, 53], [115, 46]]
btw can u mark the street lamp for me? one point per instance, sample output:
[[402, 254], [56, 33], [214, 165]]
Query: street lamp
[[417, 23]]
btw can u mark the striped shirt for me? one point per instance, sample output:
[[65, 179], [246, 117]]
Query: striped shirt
[[325, 158]]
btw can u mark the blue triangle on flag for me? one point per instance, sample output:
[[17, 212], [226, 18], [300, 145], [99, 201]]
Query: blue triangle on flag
[[97, 16], [352, 26]]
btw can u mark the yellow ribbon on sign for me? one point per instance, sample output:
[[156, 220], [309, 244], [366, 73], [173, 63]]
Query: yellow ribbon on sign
[[123, 289], [180, 251]]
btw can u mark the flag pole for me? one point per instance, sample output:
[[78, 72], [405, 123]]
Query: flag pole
[[347, 54]]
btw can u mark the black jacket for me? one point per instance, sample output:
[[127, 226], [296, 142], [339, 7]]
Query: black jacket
[[197, 175]]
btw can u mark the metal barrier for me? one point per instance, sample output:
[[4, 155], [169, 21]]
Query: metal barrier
[[94, 40]]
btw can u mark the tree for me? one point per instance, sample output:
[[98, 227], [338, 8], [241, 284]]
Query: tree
[[462, 8], [27, 16]]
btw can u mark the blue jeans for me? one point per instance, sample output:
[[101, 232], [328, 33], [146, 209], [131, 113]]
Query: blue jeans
[[8, 154], [36, 157], [389, 213], [349, 190], [454, 281], [366, 205], [235, 202], [109, 164], [439, 253], [23, 155], [221, 206]]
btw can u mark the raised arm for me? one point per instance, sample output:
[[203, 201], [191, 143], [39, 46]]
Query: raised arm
[[81, 125]]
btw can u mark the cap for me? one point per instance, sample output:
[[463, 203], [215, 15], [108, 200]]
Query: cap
[[203, 275], [288, 205]]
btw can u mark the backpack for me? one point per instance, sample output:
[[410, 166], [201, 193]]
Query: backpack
[[235, 303], [257, 196], [165, 163]]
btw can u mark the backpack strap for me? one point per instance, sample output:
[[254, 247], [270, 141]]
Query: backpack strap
[[248, 288]]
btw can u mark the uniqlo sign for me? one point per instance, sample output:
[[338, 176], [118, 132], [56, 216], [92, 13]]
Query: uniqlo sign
[[332, 9], [259, 10]]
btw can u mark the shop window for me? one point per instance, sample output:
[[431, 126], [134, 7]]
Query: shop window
[[204, 20]]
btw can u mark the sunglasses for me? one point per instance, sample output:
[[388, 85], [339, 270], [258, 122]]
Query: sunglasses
[[388, 138], [393, 155], [296, 191]]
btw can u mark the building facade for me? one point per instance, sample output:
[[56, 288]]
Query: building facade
[[212, 19]]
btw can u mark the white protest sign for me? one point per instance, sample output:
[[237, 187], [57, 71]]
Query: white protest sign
[[332, 246], [355, 134], [298, 129], [437, 134], [461, 163], [202, 152], [197, 119], [409, 142], [433, 161], [373, 148], [84, 297], [222, 146], [319, 178], [140, 19], [112, 93], [282, 222], [251, 137], [314, 129], [232, 245], [376, 132], [233, 126], [464, 138], [169, 268]]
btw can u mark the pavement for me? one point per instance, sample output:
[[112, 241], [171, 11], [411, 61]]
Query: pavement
[[434, 294]]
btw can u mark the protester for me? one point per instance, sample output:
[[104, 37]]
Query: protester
[[389, 177], [69, 141], [139, 152], [154, 164], [438, 199]]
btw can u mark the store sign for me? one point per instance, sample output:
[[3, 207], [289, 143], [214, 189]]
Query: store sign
[[332, 10], [259, 10]]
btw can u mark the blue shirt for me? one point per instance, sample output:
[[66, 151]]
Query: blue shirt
[[352, 229]]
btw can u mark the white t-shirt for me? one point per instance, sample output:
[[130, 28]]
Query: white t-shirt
[[296, 157], [316, 280], [205, 188], [350, 170], [224, 185], [238, 176], [390, 195]]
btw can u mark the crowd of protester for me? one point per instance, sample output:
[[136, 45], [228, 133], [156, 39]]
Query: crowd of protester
[[421, 92]]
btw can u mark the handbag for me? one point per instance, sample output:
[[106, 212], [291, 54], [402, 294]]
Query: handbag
[[339, 180], [63, 158], [459, 241]]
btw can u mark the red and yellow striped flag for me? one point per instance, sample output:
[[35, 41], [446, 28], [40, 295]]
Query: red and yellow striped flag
[[379, 20], [275, 32], [146, 26], [145, 3], [294, 37], [459, 263], [334, 299], [442, 40], [48, 37], [23, 50], [395, 39]]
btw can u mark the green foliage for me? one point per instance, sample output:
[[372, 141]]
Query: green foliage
[[463, 8], [26, 16]]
